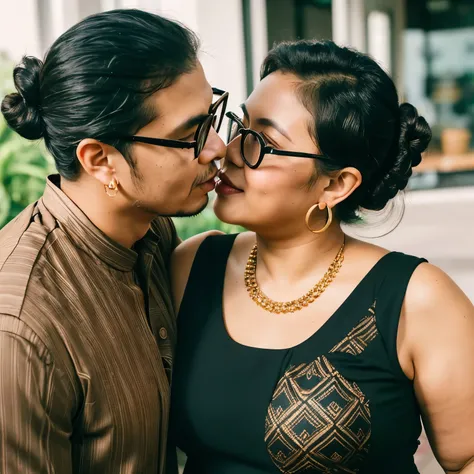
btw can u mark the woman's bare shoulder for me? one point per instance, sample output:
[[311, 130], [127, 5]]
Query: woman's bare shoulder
[[181, 262]]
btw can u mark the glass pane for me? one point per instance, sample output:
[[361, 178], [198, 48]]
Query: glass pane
[[251, 149], [217, 121], [232, 130], [203, 134]]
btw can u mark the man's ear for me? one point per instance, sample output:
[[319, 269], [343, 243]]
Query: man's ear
[[95, 160]]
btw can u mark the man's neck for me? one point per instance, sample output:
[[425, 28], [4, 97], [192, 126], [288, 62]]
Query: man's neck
[[120, 222]]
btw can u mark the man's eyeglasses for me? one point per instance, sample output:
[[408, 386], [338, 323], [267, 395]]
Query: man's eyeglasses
[[213, 119], [253, 147]]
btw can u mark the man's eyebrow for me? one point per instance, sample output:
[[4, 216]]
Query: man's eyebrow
[[192, 122], [266, 122]]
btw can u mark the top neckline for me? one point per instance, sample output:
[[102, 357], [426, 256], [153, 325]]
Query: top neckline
[[330, 323]]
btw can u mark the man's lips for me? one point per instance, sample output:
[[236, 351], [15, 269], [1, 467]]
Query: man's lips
[[209, 180], [208, 185], [212, 178]]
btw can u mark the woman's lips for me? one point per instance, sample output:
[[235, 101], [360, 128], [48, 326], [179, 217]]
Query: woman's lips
[[225, 186]]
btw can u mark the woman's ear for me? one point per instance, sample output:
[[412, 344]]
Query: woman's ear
[[341, 185]]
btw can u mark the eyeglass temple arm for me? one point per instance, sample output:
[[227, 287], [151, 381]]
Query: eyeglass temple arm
[[162, 141], [298, 154]]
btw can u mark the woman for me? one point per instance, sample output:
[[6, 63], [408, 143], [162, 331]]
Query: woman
[[301, 349]]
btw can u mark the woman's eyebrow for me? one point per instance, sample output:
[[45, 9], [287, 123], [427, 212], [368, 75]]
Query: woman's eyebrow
[[266, 122]]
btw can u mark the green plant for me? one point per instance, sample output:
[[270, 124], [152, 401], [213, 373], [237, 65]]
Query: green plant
[[24, 165]]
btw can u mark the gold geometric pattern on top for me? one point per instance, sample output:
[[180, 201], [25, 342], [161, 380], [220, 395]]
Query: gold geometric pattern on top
[[318, 421], [359, 337]]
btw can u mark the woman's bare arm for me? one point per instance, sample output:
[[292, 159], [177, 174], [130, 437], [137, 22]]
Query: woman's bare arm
[[438, 327]]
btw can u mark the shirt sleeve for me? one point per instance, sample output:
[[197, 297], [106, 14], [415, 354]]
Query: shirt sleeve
[[35, 405]]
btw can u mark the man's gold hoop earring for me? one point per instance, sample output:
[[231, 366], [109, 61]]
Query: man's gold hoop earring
[[111, 189], [321, 208]]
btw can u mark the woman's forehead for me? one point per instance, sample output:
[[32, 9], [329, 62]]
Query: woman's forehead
[[276, 97]]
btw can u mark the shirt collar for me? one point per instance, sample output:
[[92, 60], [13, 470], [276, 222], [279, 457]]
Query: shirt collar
[[82, 231]]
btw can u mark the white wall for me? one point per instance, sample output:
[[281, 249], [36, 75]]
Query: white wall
[[19, 33], [222, 53], [259, 36], [397, 9]]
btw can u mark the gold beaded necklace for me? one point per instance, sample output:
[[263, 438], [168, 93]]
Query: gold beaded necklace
[[278, 307]]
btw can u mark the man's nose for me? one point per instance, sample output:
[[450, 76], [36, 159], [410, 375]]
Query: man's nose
[[214, 149]]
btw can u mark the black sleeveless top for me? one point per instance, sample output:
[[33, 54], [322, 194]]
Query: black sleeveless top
[[338, 402]]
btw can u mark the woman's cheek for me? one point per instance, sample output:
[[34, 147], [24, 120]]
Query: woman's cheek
[[275, 179]]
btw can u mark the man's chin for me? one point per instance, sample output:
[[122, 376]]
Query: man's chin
[[192, 213]]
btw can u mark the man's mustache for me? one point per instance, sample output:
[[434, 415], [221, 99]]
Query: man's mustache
[[211, 172]]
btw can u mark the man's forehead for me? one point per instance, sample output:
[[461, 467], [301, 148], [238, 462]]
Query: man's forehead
[[190, 95], [189, 86]]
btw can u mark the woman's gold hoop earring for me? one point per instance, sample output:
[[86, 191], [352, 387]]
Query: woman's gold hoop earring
[[111, 189], [321, 208]]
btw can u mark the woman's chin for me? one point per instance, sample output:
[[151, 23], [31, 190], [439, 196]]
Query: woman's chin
[[224, 213]]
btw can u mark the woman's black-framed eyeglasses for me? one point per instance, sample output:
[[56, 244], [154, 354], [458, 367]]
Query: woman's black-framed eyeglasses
[[253, 147], [213, 119]]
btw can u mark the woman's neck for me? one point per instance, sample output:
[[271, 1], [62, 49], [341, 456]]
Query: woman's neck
[[300, 257]]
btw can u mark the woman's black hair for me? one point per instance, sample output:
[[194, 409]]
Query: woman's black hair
[[95, 80], [357, 119]]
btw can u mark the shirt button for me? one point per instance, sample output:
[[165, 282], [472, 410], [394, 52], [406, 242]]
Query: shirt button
[[163, 333]]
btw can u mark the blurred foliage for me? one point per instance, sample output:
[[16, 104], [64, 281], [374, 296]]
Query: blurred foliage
[[189, 226], [24, 165]]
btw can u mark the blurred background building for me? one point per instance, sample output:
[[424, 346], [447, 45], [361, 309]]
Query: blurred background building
[[426, 45]]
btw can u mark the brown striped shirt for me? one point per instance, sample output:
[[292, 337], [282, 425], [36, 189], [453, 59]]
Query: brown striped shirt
[[84, 367]]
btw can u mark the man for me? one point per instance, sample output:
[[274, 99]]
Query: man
[[87, 327]]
